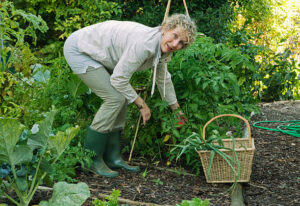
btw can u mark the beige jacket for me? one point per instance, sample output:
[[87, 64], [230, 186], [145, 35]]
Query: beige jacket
[[126, 47]]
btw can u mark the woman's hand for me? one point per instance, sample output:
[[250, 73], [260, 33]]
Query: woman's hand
[[144, 109], [175, 107], [146, 113], [180, 117]]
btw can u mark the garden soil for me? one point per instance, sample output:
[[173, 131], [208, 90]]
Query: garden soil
[[275, 179]]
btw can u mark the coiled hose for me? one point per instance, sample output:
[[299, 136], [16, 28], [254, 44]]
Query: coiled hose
[[292, 129]]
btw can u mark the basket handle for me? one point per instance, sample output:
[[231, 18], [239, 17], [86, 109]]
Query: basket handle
[[228, 115]]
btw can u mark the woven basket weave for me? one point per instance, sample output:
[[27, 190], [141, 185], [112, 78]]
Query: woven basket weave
[[220, 171]]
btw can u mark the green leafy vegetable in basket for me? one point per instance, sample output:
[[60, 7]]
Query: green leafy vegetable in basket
[[196, 142], [215, 145]]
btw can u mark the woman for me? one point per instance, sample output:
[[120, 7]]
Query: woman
[[105, 56]]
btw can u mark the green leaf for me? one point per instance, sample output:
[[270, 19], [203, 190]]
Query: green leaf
[[76, 86], [22, 184], [194, 202], [241, 80], [176, 133], [194, 107], [211, 159], [62, 139], [21, 154], [40, 74], [226, 158], [68, 194], [10, 131], [46, 166], [40, 138]]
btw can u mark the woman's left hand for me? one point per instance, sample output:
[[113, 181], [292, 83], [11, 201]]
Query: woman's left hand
[[181, 119]]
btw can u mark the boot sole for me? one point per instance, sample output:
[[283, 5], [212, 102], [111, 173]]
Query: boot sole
[[87, 171]]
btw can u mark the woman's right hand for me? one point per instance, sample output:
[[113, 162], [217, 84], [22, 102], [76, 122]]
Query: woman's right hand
[[146, 113], [144, 109]]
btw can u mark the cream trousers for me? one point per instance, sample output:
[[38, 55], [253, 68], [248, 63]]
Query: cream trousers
[[112, 113]]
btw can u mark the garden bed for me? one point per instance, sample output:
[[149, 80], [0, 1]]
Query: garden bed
[[274, 180]]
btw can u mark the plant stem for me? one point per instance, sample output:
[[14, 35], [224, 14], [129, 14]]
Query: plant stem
[[13, 171], [11, 199], [37, 183], [19, 193], [36, 186], [35, 176]]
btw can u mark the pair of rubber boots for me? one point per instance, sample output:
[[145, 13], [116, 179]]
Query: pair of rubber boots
[[108, 156]]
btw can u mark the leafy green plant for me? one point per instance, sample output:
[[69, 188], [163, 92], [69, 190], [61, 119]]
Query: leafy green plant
[[112, 199], [158, 181], [73, 158], [209, 79], [18, 29], [67, 16], [194, 202], [144, 174], [15, 26], [28, 155], [279, 77]]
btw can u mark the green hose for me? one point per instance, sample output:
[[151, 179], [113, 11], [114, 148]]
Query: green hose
[[292, 129]]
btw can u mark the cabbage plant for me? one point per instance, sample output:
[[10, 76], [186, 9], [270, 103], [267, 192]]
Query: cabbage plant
[[26, 156]]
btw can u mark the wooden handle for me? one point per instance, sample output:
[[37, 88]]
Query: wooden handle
[[228, 115]]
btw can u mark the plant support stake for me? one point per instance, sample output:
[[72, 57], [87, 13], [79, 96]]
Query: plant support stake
[[137, 129]]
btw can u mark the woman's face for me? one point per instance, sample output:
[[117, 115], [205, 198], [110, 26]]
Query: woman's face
[[173, 40]]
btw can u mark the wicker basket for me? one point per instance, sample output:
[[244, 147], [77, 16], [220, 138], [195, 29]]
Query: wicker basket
[[220, 171]]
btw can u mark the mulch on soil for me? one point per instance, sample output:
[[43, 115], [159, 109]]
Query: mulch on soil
[[274, 180]]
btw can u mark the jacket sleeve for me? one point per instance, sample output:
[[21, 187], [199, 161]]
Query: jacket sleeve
[[133, 57], [163, 80]]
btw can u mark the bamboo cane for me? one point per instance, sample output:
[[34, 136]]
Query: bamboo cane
[[137, 129]]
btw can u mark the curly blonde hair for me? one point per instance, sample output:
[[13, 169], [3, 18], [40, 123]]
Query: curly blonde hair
[[184, 22]]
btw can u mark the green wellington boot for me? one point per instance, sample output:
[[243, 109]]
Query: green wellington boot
[[97, 142], [112, 155]]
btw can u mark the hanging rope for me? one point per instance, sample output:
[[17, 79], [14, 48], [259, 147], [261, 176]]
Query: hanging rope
[[186, 9], [292, 129], [168, 9]]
